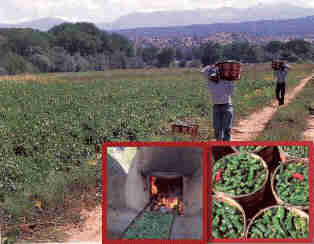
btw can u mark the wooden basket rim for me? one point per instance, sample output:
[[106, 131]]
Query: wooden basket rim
[[257, 149]]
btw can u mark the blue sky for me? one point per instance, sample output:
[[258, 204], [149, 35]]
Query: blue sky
[[14, 11]]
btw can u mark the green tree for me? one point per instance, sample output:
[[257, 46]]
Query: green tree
[[196, 53], [209, 53], [150, 54], [120, 43], [179, 54], [299, 47], [250, 55], [42, 62], [188, 54], [274, 46], [17, 64], [165, 57]]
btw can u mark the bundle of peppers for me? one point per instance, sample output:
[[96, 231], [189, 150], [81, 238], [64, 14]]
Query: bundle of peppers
[[296, 151], [239, 174], [227, 221], [291, 183], [150, 226], [279, 222]]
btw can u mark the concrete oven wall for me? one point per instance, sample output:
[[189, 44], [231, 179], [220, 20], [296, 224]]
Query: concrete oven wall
[[136, 192], [192, 194], [115, 184], [185, 161]]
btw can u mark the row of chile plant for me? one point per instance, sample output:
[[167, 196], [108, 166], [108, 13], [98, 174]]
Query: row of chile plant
[[239, 181]]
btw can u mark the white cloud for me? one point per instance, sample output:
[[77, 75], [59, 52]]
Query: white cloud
[[109, 10], [160, 4]]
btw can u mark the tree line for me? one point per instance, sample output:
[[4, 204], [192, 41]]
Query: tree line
[[293, 51], [63, 48], [82, 47]]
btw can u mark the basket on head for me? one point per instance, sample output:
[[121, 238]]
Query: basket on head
[[273, 185], [229, 70], [277, 63]]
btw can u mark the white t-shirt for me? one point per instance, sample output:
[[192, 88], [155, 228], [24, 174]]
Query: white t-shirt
[[222, 91]]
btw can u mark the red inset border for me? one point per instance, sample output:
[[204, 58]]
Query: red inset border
[[105, 145], [261, 143]]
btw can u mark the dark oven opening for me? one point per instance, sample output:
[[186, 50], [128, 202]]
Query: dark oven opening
[[166, 194]]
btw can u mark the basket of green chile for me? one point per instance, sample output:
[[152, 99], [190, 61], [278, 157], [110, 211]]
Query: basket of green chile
[[294, 152], [241, 176], [228, 218], [290, 184], [279, 222]]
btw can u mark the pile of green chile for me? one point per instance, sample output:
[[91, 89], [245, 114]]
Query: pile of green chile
[[227, 221], [291, 183], [279, 222], [150, 226], [296, 151], [239, 174]]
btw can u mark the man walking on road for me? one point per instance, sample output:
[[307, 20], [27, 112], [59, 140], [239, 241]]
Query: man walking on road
[[281, 83], [222, 92]]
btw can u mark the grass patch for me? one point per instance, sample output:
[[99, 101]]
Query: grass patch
[[289, 122]]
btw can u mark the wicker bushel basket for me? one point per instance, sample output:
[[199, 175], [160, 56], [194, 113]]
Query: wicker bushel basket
[[250, 199], [273, 185], [287, 156], [276, 64], [223, 198], [229, 70], [295, 210]]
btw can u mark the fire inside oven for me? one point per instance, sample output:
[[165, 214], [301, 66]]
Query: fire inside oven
[[167, 194]]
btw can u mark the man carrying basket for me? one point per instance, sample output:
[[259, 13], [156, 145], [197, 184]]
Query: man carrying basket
[[222, 91], [281, 75]]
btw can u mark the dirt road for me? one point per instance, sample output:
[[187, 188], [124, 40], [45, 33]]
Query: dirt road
[[91, 232], [309, 131], [251, 127]]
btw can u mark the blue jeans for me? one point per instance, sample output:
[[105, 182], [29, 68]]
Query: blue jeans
[[223, 116], [280, 92]]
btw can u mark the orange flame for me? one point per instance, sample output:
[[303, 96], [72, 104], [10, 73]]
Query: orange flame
[[169, 202], [154, 187]]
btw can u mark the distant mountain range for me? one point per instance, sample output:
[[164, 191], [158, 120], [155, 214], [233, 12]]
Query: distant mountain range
[[259, 20], [211, 16], [42, 24], [298, 27]]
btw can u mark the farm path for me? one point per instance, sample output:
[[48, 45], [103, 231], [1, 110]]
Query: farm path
[[250, 128], [309, 131], [92, 229]]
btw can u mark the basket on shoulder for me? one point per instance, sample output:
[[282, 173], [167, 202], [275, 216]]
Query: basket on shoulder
[[228, 70], [277, 63]]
